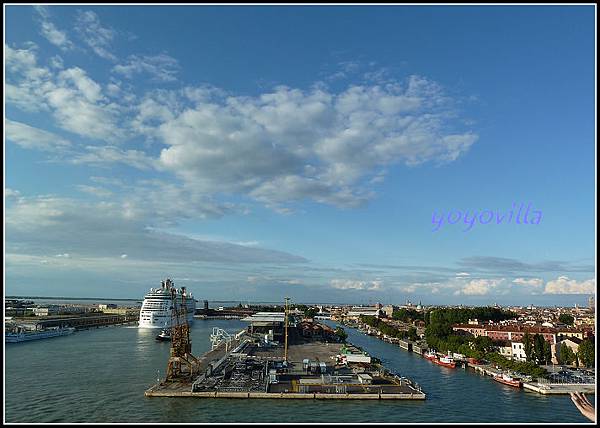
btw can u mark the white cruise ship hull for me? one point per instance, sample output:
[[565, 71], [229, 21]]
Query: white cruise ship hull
[[157, 307], [159, 319]]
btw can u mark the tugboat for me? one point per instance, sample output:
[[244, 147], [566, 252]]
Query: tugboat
[[430, 356], [508, 380], [445, 361], [165, 335]]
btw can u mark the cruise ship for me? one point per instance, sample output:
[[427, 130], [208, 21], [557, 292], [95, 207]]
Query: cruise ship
[[157, 308]]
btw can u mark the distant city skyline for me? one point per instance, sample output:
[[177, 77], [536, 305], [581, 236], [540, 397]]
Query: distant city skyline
[[255, 153]]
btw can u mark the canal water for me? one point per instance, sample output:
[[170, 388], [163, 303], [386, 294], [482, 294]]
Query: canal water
[[100, 375]]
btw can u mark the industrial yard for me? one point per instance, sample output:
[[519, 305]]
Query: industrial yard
[[280, 358]]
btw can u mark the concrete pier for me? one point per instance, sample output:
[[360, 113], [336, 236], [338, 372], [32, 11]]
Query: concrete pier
[[184, 390], [559, 388], [315, 369]]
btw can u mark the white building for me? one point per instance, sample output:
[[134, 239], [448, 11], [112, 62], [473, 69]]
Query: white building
[[357, 311], [518, 351]]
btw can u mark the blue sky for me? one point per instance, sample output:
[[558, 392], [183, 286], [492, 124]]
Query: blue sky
[[253, 153]]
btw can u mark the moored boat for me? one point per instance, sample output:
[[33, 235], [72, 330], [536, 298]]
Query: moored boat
[[445, 361], [508, 380], [430, 356], [20, 334]]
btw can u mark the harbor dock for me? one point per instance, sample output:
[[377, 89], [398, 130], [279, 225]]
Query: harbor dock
[[307, 363]]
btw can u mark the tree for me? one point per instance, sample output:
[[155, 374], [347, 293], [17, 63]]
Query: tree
[[566, 319], [566, 354], [528, 346], [341, 334], [547, 356], [586, 353], [412, 334], [310, 312], [483, 344], [538, 348]]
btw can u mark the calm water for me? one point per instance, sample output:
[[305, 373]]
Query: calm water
[[100, 376]]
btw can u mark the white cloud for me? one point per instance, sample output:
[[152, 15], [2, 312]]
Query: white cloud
[[26, 91], [161, 67], [11, 193], [107, 155], [65, 255], [564, 285], [57, 62], [291, 145], [94, 190], [532, 282], [48, 224], [97, 37], [33, 138], [75, 100], [348, 284], [50, 32], [479, 287], [123, 256]]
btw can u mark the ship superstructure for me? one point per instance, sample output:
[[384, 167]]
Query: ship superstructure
[[157, 308]]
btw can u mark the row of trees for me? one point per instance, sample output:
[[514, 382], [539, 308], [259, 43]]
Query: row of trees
[[389, 330], [462, 315], [408, 315], [537, 349], [525, 367]]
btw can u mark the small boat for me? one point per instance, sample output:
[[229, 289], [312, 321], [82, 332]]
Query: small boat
[[508, 380], [164, 336], [445, 361], [430, 356]]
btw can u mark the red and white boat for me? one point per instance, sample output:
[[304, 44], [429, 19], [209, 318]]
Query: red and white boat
[[430, 356], [508, 380], [445, 361]]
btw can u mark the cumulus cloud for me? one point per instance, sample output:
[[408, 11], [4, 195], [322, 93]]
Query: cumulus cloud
[[292, 145], [30, 137], [11, 193], [531, 282], [25, 82], [564, 285], [94, 35], [280, 148], [478, 287], [349, 284], [161, 67], [75, 100]]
